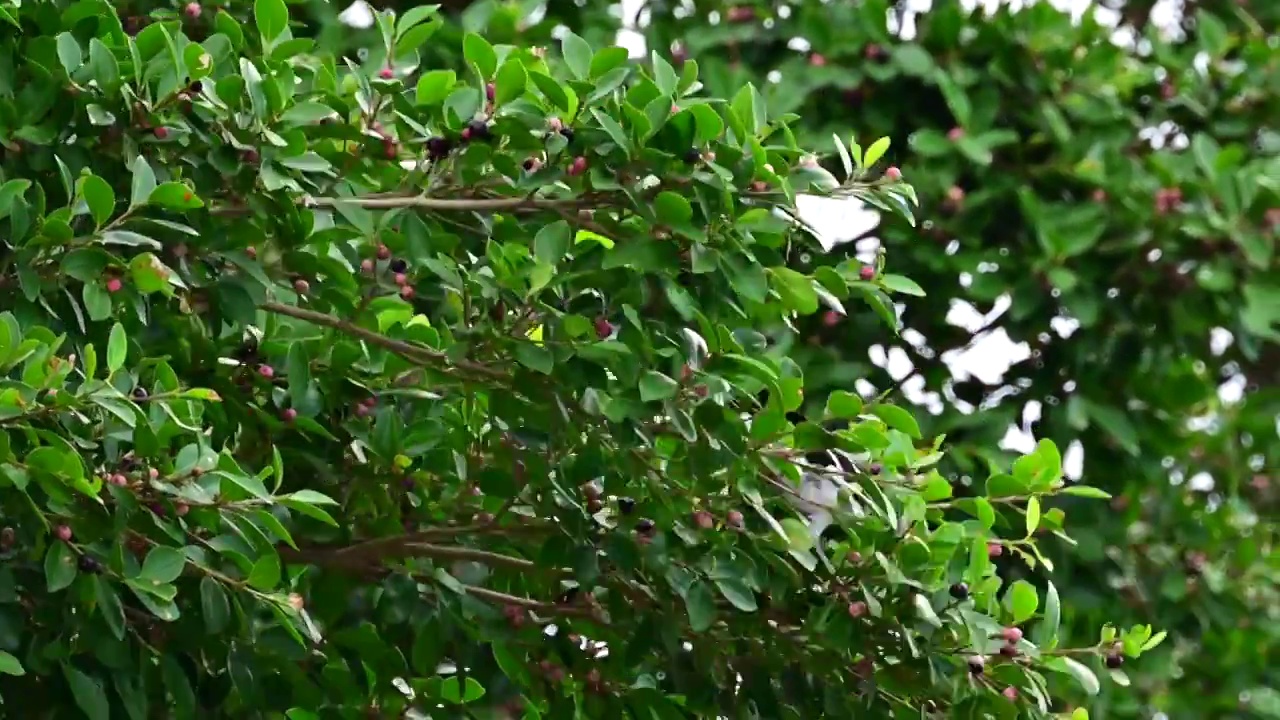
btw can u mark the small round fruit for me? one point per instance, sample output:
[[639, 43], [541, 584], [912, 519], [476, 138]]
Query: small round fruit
[[955, 134], [867, 273], [407, 292], [438, 147], [119, 480], [734, 518], [386, 73], [1009, 651], [64, 533], [251, 156], [703, 520], [490, 91], [960, 591], [89, 565], [854, 557], [366, 266], [161, 132], [1115, 660], [857, 609], [645, 526], [114, 285], [301, 286], [181, 509], [875, 468], [479, 129], [1010, 692], [140, 393], [994, 550], [692, 156], [626, 505], [266, 371], [976, 664], [289, 415], [1012, 635], [400, 279], [252, 252], [578, 166], [384, 252], [192, 10], [893, 173], [398, 265], [604, 328]]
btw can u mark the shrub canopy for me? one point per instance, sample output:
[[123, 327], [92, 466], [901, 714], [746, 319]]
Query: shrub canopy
[[341, 386]]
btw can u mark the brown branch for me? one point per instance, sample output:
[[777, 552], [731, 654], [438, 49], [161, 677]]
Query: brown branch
[[414, 353], [422, 202]]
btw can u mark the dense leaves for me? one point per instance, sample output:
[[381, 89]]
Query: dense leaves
[[342, 388]]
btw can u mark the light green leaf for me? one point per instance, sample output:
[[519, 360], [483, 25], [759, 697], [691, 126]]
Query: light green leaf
[[271, 17], [117, 348], [656, 386]]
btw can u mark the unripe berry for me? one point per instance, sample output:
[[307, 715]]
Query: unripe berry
[[181, 509], [857, 609], [854, 557], [64, 533], [119, 480], [994, 550], [867, 273], [114, 285], [266, 371], [703, 520], [301, 286], [817, 60], [192, 10], [955, 134], [407, 292], [734, 519], [490, 91], [289, 415], [362, 410], [603, 328], [1010, 692], [1012, 635], [384, 252], [252, 252], [578, 166], [893, 173], [400, 279], [831, 318], [366, 266]]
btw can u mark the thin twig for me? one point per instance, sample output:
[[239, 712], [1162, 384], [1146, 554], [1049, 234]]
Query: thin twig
[[422, 202]]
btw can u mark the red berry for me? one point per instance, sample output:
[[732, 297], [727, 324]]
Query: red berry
[[64, 533], [603, 328], [161, 132], [289, 415], [119, 480], [831, 319], [578, 166], [734, 518], [266, 371], [362, 410], [192, 10], [153, 473], [366, 266], [252, 252], [857, 609], [301, 286], [490, 91], [994, 550], [465, 134], [893, 173], [391, 150], [384, 252], [114, 285], [955, 134], [251, 156], [1012, 635], [386, 73], [407, 292], [1010, 692], [703, 520], [867, 273]]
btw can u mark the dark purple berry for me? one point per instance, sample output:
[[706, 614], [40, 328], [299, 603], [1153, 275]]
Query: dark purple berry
[[1115, 660], [398, 265], [139, 393], [626, 505], [692, 156], [645, 526], [438, 147], [479, 129], [89, 565], [960, 591]]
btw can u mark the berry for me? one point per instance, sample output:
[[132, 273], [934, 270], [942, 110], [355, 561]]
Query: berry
[[366, 266], [567, 134], [875, 469], [266, 371], [645, 526], [289, 415], [1009, 651], [384, 252], [1012, 635], [192, 10], [398, 265], [1010, 692], [161, 132], [64, 533], [994, 550], [89, 565], [1115, 660], [301, 286], [703, 520], [873, 52], [386, 73], [465, 134], [390, 149], [603, 328], [976, 664], [181, 509], [531, 164], [252, 252], [578, 166], [831, 318], [119, 480], [139, 393], [854, 557], [960, 591], [734, 518], [555, 124], [1099, 195], [893, 173], [626, 505], [114, 285], [490, 91], [438, 147], [251, 156], [362, 410], [759, 186], [479, 129], [692, 156], [817, 60], [407, 292], [955, 134], [400, 279], [857, 609], [867, 273]]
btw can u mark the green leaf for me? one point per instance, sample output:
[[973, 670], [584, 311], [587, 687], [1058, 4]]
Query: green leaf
[[117, 348], [701, 605], [552, 242], [144, 182], [843, 404], [214, 607], [434, 87], [69, 53], [897, 418], [480, 54], [898, 283], [672, 209], [874, 153], [99, 197], [1086, 491], [656, 386], [1033, 514], [795, 289], [162, 566], [265, 574], [1022, 600], [510, 83], [460, 692], [535, 357], [1154, 641], [109, 605], [129, 238], [1046, 633], [175, 196], [1082, 674], [925, 609], [577, 55], [59, 567], [737, 593], [271, 17], [88, 694], [9, 665]]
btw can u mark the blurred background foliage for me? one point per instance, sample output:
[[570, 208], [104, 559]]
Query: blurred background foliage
[[1101, 187]]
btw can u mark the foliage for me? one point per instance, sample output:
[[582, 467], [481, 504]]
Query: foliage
[[339, 388]]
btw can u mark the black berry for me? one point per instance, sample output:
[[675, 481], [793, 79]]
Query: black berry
[[528, 165], [89, 565], [438, 147], [139, 393], [479, 129], [960, 591], [626, 505], [644, 526], [876, 468], [976, 665], [398, 265], [567, 133], [692, 155], [1115, 660]]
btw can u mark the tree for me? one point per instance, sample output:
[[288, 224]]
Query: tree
[[326, 396]]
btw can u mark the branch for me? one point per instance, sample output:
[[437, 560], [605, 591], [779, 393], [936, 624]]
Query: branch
[[422, 202], [416, 354]]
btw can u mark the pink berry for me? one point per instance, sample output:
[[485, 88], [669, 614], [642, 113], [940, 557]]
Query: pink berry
[[301, 286], [181, 509], [817, 60], [734, 518], [252, 252], [831, 319], [893, 173], [555, 124], [490, 92], [400, 279], [266, 371], [407, 292], [386, 73], [1012, 635], [955, 134], [867, 273], [161, 132], [994, 550], [119, 480], [114, 285], [1010, 692], [603, 328], [362, 410], [578, 166], [289, 415], [857, 609], [366, 266], [192, 10], [703, 520], [384, 252], [64, 533]]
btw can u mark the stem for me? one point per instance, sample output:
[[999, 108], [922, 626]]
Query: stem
[[423, 202]]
